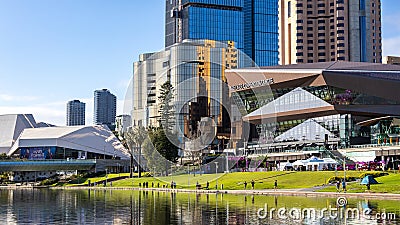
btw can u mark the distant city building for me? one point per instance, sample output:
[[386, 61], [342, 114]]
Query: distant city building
[[394, 60], [105, 108], [76, 113], [122, 123], [252, 25], [329, 30]]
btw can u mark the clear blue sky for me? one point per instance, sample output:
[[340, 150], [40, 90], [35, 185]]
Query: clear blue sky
[[53, 51]]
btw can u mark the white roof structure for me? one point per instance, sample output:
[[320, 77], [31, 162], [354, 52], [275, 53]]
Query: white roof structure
[[11, 127], [308, 130], [96, 139], [297, 99]]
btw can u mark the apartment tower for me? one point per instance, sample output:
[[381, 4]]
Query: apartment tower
[[329, 30]]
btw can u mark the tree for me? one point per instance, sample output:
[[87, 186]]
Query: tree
[[166, 111], [159, 149], [135, 138]]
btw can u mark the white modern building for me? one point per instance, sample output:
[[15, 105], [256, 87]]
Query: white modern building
[[122, 123], [75, 142], [11, 127]]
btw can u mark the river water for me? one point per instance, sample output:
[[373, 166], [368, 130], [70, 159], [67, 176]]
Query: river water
[[45, 206]]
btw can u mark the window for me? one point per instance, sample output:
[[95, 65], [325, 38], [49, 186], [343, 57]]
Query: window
[[321, 21], [310, 22], [321, 11], [341, 38], [309, 12], [340, 8], [299, 5], [310, 41], [309, 6], [289, 7], [321, 54], [340, 18], [310, 61], [299, 28], [321, 60], [321, 41], [299, 21], [299, 47], [310, 48], [309, 28], [299, 41], [299, 11], [310, 55], [321, 28], [310, 35], [321, 47], [299, 54], [299, 34], [299, 60], [321, 34], [340, 51], [340, 45], [321, 5], [340, 24]]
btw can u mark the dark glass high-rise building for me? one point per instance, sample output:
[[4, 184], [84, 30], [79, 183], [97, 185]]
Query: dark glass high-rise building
[[105, 108], [251, 24]]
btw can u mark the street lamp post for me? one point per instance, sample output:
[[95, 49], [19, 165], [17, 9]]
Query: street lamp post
[[188, 175], [106, 176], [216, 172]]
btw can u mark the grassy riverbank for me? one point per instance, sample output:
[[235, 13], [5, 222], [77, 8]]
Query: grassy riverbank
[[387, 184], [263, 180], [235, 181]]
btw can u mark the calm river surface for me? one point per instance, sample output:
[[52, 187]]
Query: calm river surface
[[34, 206]]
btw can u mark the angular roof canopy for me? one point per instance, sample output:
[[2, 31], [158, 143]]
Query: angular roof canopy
[[11, 127], [96, 139], [308, 130]]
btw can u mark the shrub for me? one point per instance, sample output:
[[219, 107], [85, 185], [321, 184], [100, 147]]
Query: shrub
[[49, 181], [374, 174], [340, 178]]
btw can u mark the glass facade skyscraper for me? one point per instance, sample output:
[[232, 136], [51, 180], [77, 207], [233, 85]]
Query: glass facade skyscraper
[[251, 24]]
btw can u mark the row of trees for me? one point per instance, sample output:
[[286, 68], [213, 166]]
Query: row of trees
[[158, 150]]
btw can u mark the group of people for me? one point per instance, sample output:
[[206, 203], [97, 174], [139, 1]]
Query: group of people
[[252, 184], [343, 186]]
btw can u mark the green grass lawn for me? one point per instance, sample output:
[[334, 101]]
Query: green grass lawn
[[235, 181], [85, 181], [387, 184]]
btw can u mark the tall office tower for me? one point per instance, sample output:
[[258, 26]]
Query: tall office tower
[[329, 30], [251, 24], [76, 113], [105, 108]]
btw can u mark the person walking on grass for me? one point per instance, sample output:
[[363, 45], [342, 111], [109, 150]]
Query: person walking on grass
[[252, 184], [245, 185], [344, 185], [276, 184], [338, 186]]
